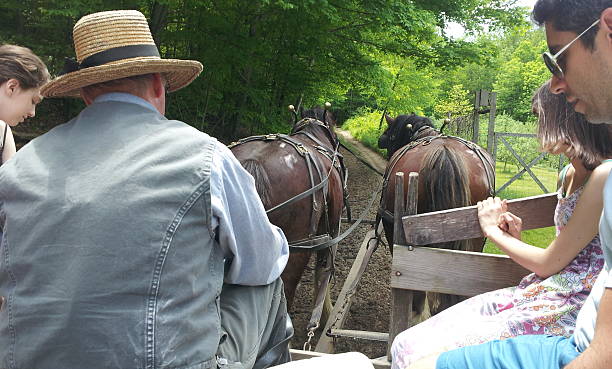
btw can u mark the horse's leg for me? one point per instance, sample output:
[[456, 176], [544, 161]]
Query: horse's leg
[[293, 273]]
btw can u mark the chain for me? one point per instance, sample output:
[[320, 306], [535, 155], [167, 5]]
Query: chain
[[311, 333]]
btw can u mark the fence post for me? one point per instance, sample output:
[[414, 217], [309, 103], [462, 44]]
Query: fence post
[[476, 121], [491, 132]]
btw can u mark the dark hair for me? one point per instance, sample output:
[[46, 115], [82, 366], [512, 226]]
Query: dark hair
[[571, 15], [20, 63], [558, 123]]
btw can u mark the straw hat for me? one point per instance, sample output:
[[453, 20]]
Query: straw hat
[[113, 45]]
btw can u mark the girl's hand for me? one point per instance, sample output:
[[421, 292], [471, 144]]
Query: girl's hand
[[489, 212], [512, 224]]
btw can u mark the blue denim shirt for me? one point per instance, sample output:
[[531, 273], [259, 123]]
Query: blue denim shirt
[[113, 248], [258, 250]]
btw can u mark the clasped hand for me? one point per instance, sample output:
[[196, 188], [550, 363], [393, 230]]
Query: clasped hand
[[494, 217]]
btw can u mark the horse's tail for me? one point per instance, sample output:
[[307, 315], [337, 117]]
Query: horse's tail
[[446, 184], [262, 181], [446, 181]]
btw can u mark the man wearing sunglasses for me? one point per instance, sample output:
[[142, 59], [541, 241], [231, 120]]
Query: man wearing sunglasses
[[579, 36]]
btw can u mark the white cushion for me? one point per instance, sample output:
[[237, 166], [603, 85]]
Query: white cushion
[[353, 360]]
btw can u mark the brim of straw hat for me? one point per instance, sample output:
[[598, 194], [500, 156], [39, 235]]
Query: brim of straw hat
[[178, 74]]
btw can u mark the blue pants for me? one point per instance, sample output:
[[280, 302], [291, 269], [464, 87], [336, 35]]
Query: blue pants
[[522, 352]]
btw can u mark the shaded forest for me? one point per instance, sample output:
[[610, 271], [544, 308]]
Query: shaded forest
[[259, 56]]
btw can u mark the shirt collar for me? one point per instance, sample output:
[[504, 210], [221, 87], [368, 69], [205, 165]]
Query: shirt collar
[[124, 97]]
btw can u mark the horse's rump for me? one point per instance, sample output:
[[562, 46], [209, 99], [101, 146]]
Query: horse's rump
[[284, 167], [452, 173]]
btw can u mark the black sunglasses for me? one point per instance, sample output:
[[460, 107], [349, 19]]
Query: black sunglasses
[[551, 60]]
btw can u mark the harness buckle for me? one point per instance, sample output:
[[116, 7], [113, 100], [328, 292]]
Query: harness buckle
[[302, 149], [270, 137]]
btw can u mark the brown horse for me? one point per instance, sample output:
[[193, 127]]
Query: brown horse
[[286, 166], [453, 173]]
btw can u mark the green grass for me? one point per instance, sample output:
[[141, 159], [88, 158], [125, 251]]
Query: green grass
[[523, 187]]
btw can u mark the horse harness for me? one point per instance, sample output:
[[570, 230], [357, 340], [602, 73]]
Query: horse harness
[[313, 242], [423, 137]]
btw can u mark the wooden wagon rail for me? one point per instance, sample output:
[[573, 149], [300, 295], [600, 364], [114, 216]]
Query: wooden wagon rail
[[418, 268]]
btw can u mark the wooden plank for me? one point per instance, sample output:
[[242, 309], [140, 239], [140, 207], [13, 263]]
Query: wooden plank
[[476, 117], [363, 335], [345, 298], [522, 171], [510, 134], [491, 128], [522, 162], [484, 97], [398, 208], [462, 223], [401, 300], [401, 314], [454, 272]]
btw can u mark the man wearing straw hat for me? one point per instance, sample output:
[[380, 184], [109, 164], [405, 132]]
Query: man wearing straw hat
[[131, 240]]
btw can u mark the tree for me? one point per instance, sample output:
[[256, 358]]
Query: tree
[[456, 103], [521, 74], [261, 55]]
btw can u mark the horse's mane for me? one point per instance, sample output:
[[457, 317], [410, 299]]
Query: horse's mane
[[318, 113], [417, 122], [402, 134]]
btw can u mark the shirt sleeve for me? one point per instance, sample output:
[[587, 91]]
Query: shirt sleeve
[[255, 250]]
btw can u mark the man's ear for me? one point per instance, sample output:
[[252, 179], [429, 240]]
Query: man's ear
[[86, 96], [606, 24], [158, 85]]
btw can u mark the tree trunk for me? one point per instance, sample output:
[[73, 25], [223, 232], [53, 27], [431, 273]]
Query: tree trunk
[[159, 19]]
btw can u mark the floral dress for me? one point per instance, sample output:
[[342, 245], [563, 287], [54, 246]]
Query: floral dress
[[536, 306]]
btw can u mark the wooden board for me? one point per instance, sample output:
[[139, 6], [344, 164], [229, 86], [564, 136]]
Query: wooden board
[[455, 272], [462, 223], [343, 304]]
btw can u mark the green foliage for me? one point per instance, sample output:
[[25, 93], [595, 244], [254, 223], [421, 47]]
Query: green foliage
[[521, 73], [259, 56], [365, 127], [455, 104]]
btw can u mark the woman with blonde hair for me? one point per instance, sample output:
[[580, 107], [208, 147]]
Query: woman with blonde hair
[[22, 74], [546, 301]]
